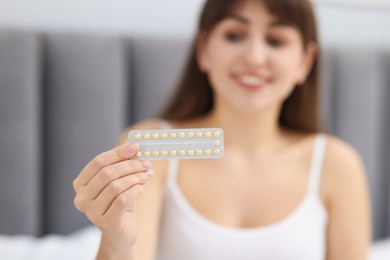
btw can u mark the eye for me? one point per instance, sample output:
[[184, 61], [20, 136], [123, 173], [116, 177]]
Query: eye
[[234, 36], [275, 42]]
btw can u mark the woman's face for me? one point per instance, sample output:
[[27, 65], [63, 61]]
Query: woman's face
[[253, 60]]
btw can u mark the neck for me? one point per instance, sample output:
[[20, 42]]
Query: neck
[[252, 132]]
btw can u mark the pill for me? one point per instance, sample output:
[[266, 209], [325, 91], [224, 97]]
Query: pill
[[167, 144]]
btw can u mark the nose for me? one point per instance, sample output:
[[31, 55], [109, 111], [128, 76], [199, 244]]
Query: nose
[[256, 53]]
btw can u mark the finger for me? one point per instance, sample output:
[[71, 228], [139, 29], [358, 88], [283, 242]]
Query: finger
[[110, 173], [103, 202], [124, 202], [115, 155]]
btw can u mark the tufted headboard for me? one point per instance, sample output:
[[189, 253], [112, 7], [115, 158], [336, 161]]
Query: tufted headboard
[[65, 97]]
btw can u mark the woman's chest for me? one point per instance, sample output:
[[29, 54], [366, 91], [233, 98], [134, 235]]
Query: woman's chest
[[242, 195]]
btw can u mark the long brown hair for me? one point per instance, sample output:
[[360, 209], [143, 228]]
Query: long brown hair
[[194, 96]]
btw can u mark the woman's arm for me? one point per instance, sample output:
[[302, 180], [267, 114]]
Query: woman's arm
[[149, 205], [347, 200], [123, 198], [147, 218]]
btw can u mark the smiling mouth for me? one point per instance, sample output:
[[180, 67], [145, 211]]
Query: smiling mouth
[[252, 82]]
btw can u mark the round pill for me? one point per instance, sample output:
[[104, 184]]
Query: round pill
[[138, 137], [190, 135], [147, 154], [156, 153], [155, 136], [208, 152], [182, 135], [217, 152], [199, 152], [216, 134], [190, 152], [164, 153], [173, 135], [138, 154], [146, 136], [173, 153], [199, 134], [182, 152], [217, 143], [164, 136], [208, 134]]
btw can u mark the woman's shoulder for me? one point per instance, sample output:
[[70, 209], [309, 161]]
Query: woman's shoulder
[[151, 123], [343, 169], [341, 157], [147, 124]]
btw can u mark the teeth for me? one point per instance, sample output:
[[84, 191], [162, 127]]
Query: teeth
[[251, 80]]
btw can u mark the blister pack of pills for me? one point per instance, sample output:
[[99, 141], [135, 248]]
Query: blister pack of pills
[[167, 144]]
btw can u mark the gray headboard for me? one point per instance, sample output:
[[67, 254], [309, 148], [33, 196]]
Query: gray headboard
[[65, 97]]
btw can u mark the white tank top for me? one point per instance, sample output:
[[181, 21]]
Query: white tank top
[[187, 235]]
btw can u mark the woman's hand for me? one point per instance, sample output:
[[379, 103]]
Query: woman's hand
[[107, 190]]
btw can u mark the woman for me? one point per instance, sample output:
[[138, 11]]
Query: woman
[[283, 189]]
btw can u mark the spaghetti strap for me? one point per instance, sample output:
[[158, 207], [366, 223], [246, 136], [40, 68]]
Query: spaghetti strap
[[317, 163], [173, 167]]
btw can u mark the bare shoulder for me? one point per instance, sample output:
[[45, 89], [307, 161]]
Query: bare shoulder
[[342, 159], [346, 197], [343, 170], [153, 123]]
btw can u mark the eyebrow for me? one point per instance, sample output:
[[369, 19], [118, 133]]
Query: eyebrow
[[273, 23], [238, 18]]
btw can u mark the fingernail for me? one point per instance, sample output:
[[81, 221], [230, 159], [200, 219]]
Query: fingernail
[[146, 164], [132, 148], [150, 173]]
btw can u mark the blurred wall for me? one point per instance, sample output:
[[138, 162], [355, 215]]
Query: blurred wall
[[341, 22]]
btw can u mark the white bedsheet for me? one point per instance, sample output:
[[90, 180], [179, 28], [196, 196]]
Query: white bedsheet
[[83, 245], [380, 250]]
